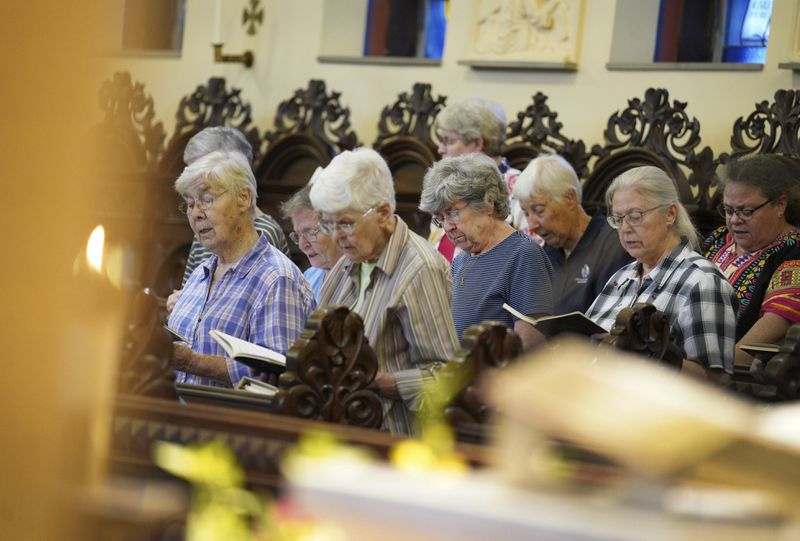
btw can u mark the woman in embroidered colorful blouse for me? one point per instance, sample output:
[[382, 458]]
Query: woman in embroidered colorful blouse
[[758, 249]]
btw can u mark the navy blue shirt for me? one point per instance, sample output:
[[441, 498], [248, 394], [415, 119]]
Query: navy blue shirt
[[579, 278], [516, 272]]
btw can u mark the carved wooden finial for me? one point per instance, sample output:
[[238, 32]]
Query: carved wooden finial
[[129, 111], [645, 331], [489, 345], [330, 370]]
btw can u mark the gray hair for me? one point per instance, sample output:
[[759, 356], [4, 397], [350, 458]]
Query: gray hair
[[227, 170], [474, 118], [473, 178], [549, 173], [217, 138], [772, 175], [355, 179], [301, 200], [657, 187]]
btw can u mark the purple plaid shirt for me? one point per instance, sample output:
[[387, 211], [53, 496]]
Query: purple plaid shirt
[[263, 299]]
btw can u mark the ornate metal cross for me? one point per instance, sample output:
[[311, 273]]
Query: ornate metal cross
[[253, 16]]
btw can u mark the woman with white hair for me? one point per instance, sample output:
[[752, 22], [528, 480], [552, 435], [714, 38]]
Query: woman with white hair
[[247, 288], [583, 249], [655, 229], [389, 275], [466, 196]]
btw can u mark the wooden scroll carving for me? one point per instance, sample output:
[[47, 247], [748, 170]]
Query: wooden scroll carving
[[146, 351], [772, 128], [329, 372], [537, 130], [312, 110], [645, 331], [410, 116], [406, 142], [783, 370], [211, 104], [655, 131], [128, 115], [489, 345]]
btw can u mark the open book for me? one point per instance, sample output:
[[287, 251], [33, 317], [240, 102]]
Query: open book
[[574, 322], [252, 355], [252, 385], [760, 350], [176, 337]]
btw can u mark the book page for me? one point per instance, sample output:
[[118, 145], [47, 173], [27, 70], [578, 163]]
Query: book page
[[236, 347]]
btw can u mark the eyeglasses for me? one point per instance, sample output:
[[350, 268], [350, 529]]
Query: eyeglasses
[[634, 217], [452, 216], [309, 234], [329, 228], [743, 214], [205, 202]]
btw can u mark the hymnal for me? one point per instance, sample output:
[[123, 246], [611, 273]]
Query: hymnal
[[254, 356], [574, 322]]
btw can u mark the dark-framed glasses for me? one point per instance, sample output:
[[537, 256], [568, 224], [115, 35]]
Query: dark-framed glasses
[[204, 202], [452, 216], [634, 217], [329, 227], [743, 214], [309, 234]]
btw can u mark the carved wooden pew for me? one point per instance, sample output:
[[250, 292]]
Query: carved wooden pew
[[654, 131], [536, 130], [330, 370], [772, 128], [311, 127], [485, 347], [406, 143], [641, 330], [780, 379]]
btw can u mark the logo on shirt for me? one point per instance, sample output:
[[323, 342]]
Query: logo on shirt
[[584, 277]]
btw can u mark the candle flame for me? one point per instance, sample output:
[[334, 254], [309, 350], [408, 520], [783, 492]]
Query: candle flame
[[94, 248]]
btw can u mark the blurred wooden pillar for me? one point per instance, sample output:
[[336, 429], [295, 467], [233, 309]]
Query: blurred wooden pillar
[[56, 358]]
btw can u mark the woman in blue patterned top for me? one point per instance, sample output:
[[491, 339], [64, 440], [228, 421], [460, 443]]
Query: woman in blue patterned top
[[247, 288], [467, 197]]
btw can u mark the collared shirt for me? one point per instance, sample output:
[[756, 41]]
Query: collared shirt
[[263, 298], [265, 223], [406, 313], [699, 303], [579, 278]]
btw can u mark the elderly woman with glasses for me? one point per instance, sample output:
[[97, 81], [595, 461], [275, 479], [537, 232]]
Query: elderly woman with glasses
[[758, 249], [319, 247], [655, 229], [390, 276], [475, 125], [467, 197], [247, 288]]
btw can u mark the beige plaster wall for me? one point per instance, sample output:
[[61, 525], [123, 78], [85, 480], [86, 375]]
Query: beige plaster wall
[[288, 43]]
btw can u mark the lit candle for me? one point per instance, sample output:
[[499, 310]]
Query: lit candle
[[217, 21]]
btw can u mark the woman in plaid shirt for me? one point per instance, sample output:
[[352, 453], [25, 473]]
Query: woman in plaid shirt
[[655, 229]]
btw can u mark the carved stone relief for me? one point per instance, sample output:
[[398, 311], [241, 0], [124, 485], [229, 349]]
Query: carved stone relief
[[527, 30]]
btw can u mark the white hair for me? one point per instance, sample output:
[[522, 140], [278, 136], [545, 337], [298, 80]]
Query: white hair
[[354, 180], [657, 187], [227, 170], [549, 173]]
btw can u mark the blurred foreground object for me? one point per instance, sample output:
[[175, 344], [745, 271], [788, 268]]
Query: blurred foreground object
[[658, 426]]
